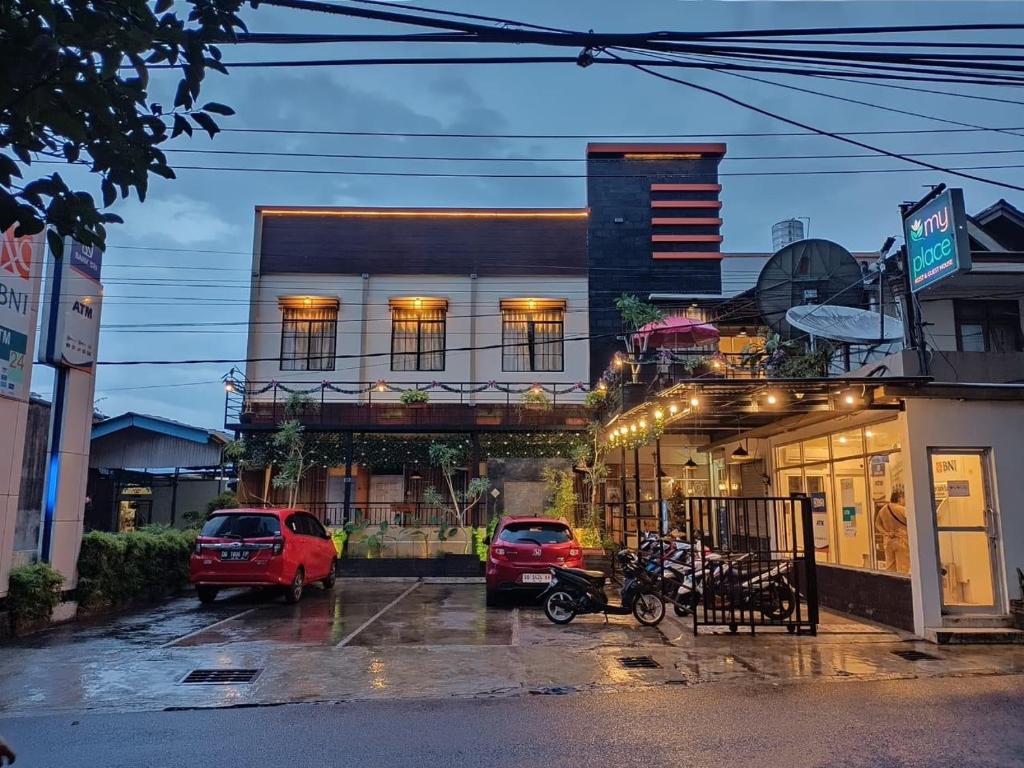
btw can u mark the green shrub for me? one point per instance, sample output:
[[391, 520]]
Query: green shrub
[[117, 568], [34, 592], [226, 500]]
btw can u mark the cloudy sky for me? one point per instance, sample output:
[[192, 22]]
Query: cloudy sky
[[176, 272]]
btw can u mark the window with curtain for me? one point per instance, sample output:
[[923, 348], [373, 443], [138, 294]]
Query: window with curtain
[[309, 338], [417, 339], [532, 340], [987, 326]]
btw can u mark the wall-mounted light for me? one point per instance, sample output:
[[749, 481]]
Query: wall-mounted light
[[772, 398], [694, 402], [417, 303], [531, 304], [673, 409], [307, 302]]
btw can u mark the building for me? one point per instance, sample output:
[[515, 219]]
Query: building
[[146, 470], [910, 462]]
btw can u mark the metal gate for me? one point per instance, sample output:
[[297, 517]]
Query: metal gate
[[754, 565]]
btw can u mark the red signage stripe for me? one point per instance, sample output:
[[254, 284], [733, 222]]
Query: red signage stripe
[[696, 221], [686, 187], [686, 204], [683, 256]]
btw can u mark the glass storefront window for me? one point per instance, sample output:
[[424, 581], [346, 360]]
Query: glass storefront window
[[883, 437], [849, 443], [788, 455], [854, 521], [816, 450], [855, 480]]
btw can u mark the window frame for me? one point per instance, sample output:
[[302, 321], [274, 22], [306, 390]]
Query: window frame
[[531, 338], [419, 354], [291, 363], [987, 318]]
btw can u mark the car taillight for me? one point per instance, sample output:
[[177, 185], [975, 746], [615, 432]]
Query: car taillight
[[499, 553], [278, 546], [574, 553]]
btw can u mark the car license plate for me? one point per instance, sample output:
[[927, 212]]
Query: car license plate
[[234, 554], [536, 578]]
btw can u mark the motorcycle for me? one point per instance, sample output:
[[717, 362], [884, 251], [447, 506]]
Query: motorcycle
[[730, 585], [573, 592]]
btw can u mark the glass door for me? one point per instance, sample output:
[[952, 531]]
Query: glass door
[[967, 531]]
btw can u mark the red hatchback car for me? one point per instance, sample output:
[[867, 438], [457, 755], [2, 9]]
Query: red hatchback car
[[260, 548], [523, 550]]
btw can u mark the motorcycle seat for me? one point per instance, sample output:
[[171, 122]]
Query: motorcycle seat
[[597, 577]]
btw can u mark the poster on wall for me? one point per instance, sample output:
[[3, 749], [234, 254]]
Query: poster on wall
[[20, 258], [819, 518], [71, 308]]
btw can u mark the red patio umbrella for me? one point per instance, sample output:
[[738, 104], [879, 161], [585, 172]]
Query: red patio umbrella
[[676, 333]]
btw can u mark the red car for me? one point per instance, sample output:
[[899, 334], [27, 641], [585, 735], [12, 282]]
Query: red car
[[259, 548], [523, 550]]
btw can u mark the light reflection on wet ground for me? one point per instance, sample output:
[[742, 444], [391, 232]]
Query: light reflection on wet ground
[[425, 640]]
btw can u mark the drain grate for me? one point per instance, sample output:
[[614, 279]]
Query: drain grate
[[916, 656], [639, 662], [221, 676]]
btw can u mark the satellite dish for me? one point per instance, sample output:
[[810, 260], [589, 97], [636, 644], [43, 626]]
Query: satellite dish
[[807, 272], [849, 324]]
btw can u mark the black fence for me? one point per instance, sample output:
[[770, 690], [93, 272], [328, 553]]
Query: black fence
[[753, 562], [749, 565], [397, 514]]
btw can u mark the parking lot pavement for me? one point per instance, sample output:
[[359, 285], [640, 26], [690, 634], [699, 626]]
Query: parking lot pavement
[[383, 639]]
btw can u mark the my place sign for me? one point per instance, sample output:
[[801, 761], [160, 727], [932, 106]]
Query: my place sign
[[937, 241]]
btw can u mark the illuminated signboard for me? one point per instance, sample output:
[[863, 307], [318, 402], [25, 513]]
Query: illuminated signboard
[[937, 241]]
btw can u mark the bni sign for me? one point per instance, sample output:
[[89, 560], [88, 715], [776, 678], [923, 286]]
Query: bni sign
[[937, 241]]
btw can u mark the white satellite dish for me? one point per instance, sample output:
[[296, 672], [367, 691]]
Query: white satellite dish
[[849, 324]]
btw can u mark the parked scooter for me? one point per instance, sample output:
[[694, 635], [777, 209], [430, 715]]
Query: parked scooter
[[729, 583], [574, 591]]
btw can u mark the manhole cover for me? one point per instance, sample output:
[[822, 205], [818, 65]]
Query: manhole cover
[[916, 656], [221, 676], [639, 662]]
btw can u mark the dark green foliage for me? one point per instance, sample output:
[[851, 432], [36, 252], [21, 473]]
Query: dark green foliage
[[226, 500], [34, 592], [118, 568], [74, 86]]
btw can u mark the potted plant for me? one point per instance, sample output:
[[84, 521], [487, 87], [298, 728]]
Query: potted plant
[[536, 399], [414, 397]]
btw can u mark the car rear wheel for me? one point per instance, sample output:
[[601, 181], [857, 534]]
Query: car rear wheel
[[294, 592], [331, 577], [206, 594]]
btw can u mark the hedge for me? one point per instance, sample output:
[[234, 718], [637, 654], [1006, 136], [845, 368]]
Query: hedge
[[118, 568], [33, 592]]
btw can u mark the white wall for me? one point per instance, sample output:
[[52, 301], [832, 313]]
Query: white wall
[[962, 424], [467, 297]]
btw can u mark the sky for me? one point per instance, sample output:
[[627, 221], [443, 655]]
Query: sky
[[176, 273]]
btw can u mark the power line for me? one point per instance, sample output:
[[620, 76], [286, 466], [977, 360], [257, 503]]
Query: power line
[[925, 166], [822, 132], [597, 160]]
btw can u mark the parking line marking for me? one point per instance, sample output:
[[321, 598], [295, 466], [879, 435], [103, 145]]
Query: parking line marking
[[515, 626], [203, 629], [351, 636]]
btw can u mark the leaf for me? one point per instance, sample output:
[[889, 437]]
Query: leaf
[[206, 122], [71, 151], [182, 96], [162, 6], [109, 192], [8, 169], [218, 109], [181, 125]]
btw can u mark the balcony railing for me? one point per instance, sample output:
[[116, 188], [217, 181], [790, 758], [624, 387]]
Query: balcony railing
[[378, 405]]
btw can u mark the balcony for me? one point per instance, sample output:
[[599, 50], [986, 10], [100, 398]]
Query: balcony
[[377, 406]]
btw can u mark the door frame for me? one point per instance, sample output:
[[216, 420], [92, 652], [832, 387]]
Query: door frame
[[998, 606]]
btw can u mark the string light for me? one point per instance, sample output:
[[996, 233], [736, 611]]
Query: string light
[[659, 414]]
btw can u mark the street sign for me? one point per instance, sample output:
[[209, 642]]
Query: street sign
[[937, 242]]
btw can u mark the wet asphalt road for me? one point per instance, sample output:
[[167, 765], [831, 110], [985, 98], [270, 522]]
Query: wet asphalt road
[[927, 722]]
